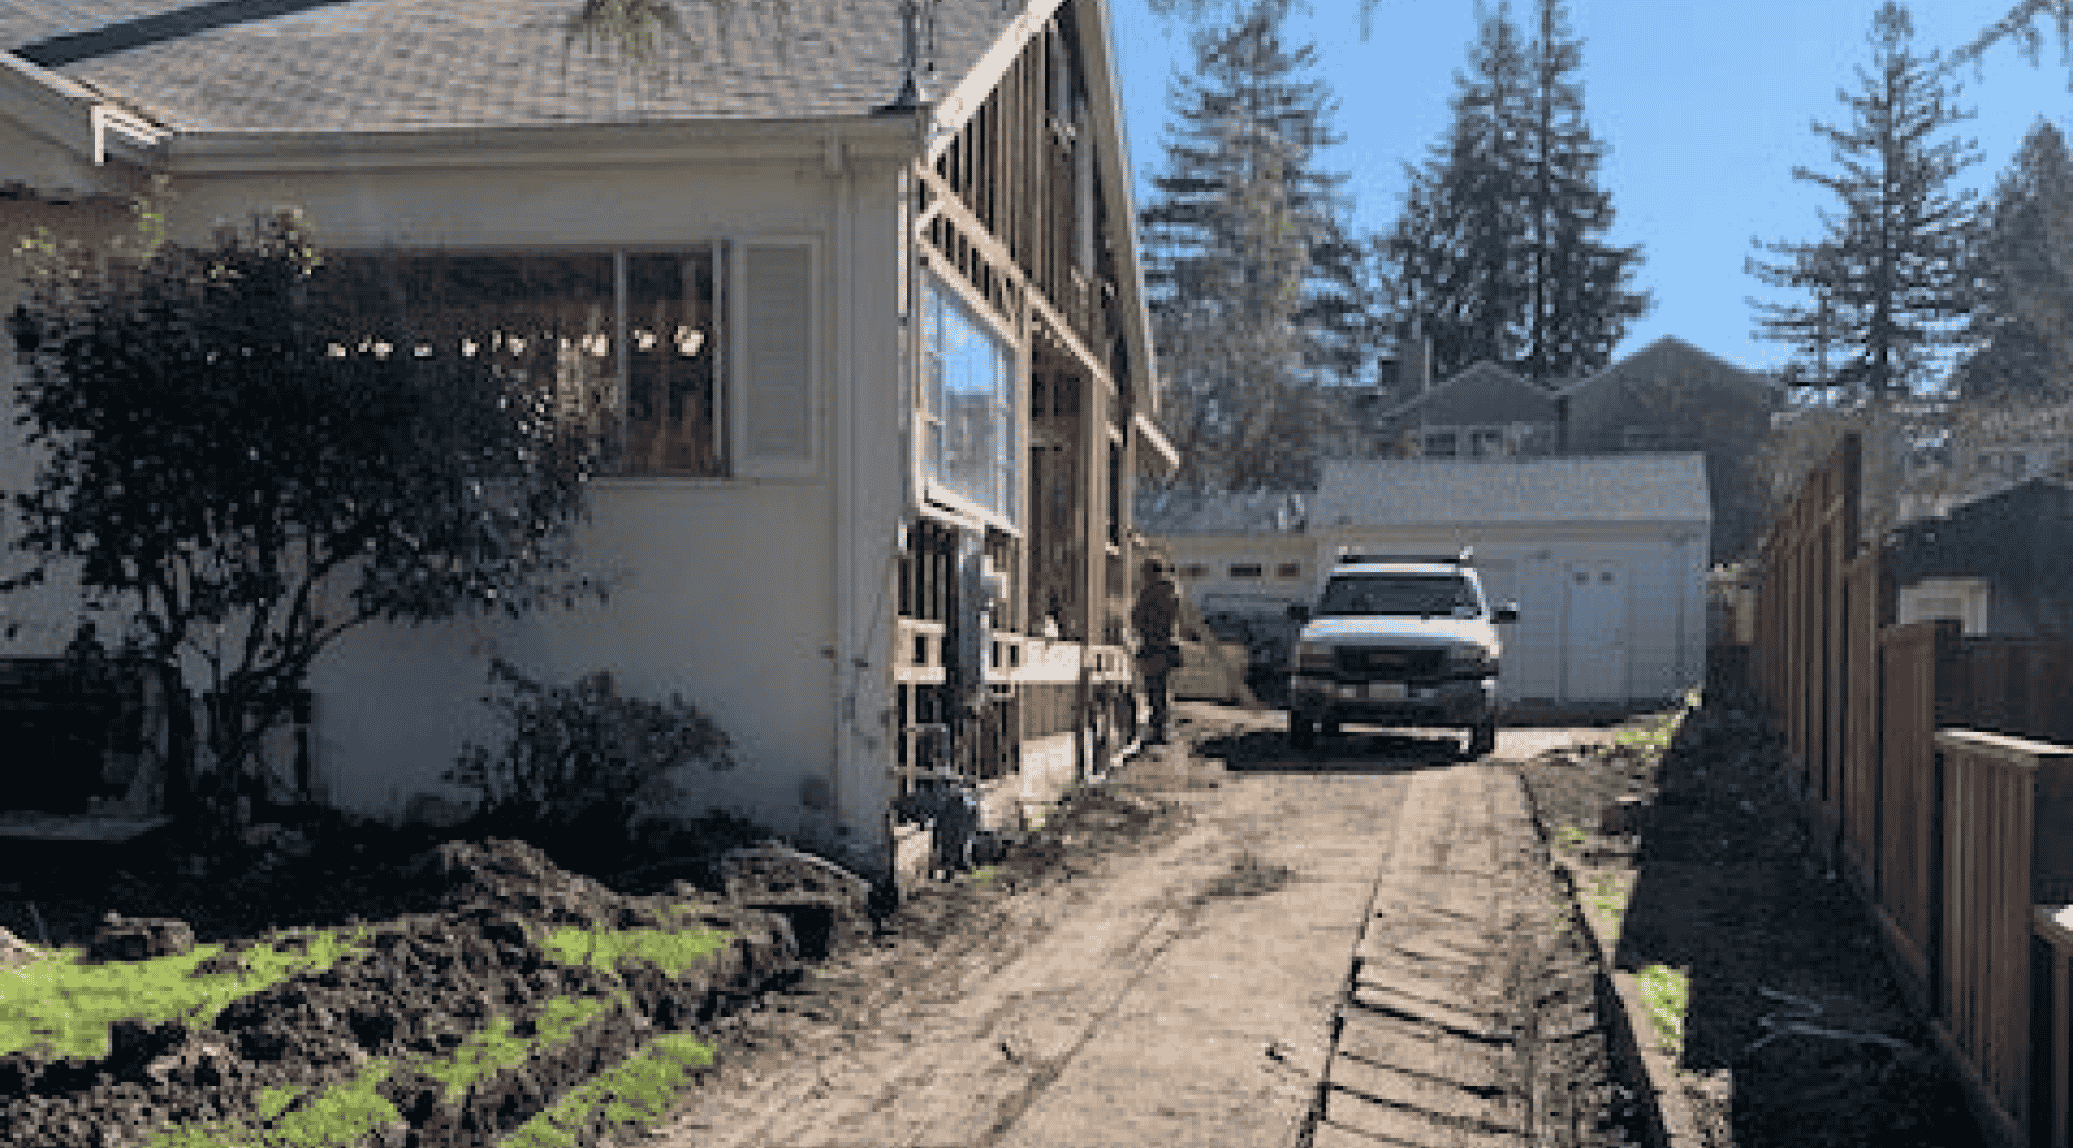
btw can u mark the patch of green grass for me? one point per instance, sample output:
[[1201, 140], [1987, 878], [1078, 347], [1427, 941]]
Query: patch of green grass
[[66, 1006], [1607, 897], [1666, 992], [338, 1117], [271, 1102], [1656, 737], [635, 1093], [1568, 839], [492, 1050], [608, 949], [981, 875]]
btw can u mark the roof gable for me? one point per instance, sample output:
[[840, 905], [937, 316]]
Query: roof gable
[[1667, 358], [1483, 393], [1551, 491]]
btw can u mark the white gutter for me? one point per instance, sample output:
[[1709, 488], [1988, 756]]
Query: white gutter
[[91, 131]]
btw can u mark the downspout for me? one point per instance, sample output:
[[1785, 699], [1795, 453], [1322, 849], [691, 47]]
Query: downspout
[[845, 495]]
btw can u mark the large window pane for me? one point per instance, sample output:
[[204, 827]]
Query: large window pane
[[672, 409], [971, 405], [546, 321], [551, 323]]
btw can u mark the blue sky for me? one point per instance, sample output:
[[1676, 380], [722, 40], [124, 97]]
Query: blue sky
[[1705, 104]]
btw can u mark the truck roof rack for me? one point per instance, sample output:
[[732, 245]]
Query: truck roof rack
[[1467, 557]]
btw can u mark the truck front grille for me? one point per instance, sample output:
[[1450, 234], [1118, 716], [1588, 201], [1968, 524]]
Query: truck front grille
[[1388, 662]]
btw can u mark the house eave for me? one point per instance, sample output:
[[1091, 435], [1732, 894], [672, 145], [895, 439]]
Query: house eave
[[104, 146], [860, 139], [1161, 458]]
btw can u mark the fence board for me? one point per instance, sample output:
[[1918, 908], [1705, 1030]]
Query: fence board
[[1910, 831], [1863, 783], [1999, 789]]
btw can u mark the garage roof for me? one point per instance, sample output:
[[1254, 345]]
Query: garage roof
[[1440, 492]]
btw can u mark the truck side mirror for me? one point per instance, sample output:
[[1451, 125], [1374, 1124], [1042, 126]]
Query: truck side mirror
[[1506, 613], [1299, 614]]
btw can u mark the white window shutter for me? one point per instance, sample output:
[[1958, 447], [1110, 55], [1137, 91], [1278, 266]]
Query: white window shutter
[[775, 367]]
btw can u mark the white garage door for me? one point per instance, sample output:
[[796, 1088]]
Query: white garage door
[[1594, 639]]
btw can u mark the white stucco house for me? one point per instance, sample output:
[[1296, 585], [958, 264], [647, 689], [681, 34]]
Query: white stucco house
[[1606, 557], [877, 370]]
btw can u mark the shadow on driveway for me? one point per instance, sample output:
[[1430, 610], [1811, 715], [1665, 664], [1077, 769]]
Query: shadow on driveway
[[1269, 751]]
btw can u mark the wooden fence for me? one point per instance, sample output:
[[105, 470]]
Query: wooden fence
[[1927, 759]]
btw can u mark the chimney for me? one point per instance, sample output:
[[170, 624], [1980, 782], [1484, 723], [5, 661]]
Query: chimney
[[1414, 363]]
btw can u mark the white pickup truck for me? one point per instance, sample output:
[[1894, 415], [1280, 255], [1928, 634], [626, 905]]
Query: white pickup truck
[[1398, 641]]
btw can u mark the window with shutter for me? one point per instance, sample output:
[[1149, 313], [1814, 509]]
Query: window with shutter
[[776, 366]]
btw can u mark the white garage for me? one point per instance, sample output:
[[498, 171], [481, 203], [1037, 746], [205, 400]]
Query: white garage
[[1605, 556]]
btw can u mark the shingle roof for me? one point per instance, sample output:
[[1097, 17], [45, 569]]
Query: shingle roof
[[1664, 357], [1613, 488], [389, 65], [1221, 512]]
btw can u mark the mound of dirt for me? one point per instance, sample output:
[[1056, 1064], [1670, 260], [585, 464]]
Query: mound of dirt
[[417, 989]]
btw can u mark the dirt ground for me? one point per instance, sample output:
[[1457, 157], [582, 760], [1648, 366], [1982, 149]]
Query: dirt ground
[[1192, 858], [1796, 1033]]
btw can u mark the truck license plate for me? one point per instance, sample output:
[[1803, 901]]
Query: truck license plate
[[1386, 691]]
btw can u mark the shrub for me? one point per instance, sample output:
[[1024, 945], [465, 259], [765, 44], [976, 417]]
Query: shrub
[[582, 761]]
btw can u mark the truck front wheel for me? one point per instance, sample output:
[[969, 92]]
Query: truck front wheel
[[1482, 740]]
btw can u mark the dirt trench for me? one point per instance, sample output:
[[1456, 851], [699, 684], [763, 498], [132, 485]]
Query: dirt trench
[[1794, 1031]]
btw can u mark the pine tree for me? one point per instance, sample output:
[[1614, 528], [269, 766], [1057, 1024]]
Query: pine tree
[[1455, 254], [1582, 296], [2022, 278], [1255, 290], [1884, 280], [2020, 25], [1499, 248]]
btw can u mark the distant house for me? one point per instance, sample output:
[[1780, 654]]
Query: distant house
[[866, 334], [1667, 396], [1485, 411], [1605, 556], [1997, 565], [1671, 396]]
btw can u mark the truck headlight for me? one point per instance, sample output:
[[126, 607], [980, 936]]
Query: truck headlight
[[1470, 661], [1313, 656]]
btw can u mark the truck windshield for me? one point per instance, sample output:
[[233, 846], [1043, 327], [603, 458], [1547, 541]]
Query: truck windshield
[[1415, 594]]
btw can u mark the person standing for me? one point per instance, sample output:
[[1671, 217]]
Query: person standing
[[1155, 616]]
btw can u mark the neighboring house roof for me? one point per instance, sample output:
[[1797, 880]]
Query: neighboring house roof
[[1668, 357], [2001, 533], [1440, 492], [1222, 512], [1467, 397], [388, 65]]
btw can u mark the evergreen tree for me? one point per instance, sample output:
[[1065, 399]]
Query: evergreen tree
[[1456, 255], [2020, 25], [2022, 278], [1499, 248], [1582, 296], [1884, 280], [1256, 295]]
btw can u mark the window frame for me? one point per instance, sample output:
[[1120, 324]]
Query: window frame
[[928, 419]]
